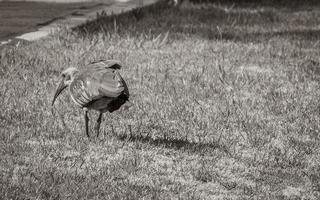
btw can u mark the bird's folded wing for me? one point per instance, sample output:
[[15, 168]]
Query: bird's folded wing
[[104, 78], [114, 64], [104, 82], [85, 90], [100, 79], [110, 84]]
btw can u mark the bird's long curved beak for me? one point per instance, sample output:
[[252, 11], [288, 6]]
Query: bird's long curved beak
[[60, 88]]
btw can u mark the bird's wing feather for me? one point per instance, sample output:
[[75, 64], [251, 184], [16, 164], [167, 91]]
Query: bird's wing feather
[[105, 78], [100, 79], [114, 64]]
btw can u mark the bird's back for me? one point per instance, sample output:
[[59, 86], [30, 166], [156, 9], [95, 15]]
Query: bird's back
[[100, 86]]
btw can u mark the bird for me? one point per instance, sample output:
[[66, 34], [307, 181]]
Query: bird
[[99, 86]]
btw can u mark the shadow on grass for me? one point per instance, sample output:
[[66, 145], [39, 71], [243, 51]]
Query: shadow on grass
[[306, 35], [228, 20], [177, 144], [273, 3]]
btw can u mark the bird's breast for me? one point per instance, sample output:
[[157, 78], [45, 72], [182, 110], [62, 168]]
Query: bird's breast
[[79, 93]]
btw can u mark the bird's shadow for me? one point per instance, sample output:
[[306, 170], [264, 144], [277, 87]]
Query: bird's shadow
[[176, 144]]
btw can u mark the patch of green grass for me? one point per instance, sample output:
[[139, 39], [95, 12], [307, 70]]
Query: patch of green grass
[[226, 106]]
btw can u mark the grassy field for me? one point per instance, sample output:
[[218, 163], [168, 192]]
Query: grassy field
[[226, 106]]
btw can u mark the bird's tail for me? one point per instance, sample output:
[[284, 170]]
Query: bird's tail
[[128, 104]]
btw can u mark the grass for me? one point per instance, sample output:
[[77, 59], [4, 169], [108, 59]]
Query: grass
[[226, 106]]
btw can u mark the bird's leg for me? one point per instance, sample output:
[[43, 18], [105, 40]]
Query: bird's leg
[[86, 119], [98, 123]]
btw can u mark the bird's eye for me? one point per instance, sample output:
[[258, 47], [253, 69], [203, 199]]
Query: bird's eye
[[68, 78]]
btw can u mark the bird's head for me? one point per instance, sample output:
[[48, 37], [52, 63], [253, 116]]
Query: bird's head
[[67, 76]]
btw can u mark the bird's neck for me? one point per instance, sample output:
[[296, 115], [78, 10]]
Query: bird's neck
[[75, 75]]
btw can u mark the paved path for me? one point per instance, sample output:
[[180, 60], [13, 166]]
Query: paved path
[[23, 17], [80, 16]]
